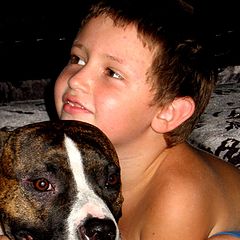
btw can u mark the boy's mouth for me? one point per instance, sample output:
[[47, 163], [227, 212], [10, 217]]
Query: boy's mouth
[[71, 105]]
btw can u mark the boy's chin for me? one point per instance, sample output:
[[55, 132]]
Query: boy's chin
[[66, 116]]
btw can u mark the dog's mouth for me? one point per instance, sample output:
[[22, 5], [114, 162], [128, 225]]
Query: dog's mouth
[[24, 235]]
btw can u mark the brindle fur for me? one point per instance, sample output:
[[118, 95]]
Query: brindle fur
[[40, 143]]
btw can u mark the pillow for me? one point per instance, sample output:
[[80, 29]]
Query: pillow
[[218, 130]]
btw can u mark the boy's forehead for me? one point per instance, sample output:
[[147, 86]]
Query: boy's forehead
[[113, 41], [128, 28], [101, 39]]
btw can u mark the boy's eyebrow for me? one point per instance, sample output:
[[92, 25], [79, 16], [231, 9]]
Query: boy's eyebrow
[[119, 60], [81, 46]]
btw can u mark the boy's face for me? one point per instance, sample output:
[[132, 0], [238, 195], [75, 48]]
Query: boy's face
[[104, 83]]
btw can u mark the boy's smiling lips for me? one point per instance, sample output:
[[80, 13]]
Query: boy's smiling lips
[[72, 105]]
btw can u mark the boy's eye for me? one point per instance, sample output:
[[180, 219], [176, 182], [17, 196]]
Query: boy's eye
[[77, 60], [113, 74]]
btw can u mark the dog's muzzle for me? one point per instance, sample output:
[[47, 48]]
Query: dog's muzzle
[[91, 229]]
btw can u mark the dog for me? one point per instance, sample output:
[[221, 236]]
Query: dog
[[59, 180]]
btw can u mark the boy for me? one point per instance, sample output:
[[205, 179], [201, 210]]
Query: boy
[[145, 82]]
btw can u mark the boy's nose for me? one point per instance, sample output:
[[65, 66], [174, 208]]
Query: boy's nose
[[80, 80]]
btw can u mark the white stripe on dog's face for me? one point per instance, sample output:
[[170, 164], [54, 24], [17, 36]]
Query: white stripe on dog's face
[[87, 202]]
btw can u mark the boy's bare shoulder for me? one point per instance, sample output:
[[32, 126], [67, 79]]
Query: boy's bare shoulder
[[187, 192]]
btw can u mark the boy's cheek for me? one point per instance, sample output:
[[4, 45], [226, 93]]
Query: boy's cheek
[[58, 94], [58, 104], [59, 109]]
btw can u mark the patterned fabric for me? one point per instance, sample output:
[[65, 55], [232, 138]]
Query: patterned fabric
[[20, 113], [218, 130]]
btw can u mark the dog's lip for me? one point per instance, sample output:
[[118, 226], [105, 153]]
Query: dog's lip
[[82, 233], [24, 235]]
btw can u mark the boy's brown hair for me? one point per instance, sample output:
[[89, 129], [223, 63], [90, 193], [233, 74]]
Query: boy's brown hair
[[183, 63]]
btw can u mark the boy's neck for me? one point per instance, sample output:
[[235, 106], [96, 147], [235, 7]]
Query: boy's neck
[[139, 163]]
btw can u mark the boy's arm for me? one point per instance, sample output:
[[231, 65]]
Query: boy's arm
[[188, 235], [3, 238], [179, 211]]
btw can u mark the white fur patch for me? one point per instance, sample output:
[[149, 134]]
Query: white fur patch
[[87, 202]]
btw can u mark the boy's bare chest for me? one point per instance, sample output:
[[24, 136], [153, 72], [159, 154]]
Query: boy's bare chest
[[135, 214]]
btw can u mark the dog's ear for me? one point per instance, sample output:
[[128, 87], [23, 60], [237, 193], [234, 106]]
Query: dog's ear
[[4, 134]]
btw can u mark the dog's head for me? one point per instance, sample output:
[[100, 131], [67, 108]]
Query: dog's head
[[59, 180]]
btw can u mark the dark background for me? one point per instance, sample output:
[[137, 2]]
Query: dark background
[[36, 36]]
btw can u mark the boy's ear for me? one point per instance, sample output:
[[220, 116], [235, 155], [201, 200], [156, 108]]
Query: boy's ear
[[173, 114]]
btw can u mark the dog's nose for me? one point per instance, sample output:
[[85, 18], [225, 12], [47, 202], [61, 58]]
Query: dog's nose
[[98, 229]]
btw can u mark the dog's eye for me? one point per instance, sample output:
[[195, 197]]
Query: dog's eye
[[42, 185], [112, 180]]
